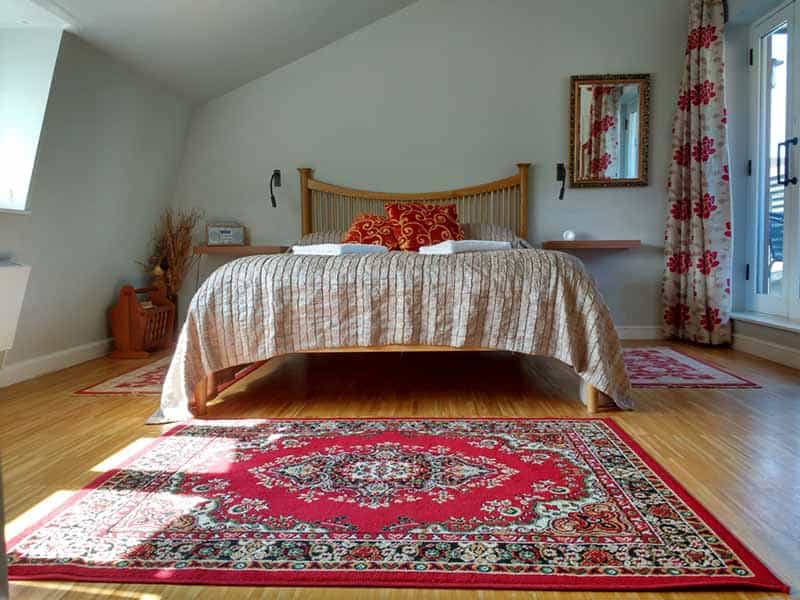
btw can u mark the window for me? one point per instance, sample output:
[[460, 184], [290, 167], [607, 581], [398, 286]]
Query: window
[[27, 60], [774, 273]]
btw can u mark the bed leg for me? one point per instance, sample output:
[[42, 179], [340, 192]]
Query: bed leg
[[212, 380], [589, 395], [203, 392]]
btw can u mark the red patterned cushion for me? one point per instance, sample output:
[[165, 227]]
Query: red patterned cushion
[[371, 229], [416, 225]]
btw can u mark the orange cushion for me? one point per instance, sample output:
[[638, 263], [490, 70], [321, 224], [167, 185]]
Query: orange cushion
[[371, 229], [416, 225]]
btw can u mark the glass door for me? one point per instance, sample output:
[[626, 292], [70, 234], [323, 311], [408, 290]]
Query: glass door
[[773, 271]]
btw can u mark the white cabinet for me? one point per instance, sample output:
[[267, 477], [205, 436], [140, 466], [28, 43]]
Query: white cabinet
[[13, 281]]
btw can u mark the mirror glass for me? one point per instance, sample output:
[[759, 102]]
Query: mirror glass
[[609, 130]]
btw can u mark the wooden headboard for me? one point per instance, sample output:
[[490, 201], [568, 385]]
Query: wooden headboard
[[327, 207]]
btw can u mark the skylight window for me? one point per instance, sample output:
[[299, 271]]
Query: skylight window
[[27, 61]]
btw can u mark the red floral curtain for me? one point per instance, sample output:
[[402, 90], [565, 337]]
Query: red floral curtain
[[698, 233]]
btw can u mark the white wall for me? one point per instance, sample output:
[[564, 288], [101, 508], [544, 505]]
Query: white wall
[[27, 59], [448, 93], [109, 151]]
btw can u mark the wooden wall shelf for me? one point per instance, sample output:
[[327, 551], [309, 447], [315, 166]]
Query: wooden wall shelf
[[239, 250], [591, 244]]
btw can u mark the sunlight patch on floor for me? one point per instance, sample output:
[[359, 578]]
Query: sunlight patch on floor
[[139, 524], [83, 590], [119, 458], [41, 510]]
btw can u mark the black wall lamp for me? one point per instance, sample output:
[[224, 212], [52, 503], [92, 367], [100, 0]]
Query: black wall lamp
[[561, 177], [275, 179]]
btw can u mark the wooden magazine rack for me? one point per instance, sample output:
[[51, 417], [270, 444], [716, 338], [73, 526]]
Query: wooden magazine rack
[[139, 330]]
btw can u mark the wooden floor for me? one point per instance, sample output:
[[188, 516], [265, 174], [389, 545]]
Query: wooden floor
[[737, 451]]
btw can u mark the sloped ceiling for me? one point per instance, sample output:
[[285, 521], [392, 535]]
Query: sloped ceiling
[[24, 13], [205, 48]]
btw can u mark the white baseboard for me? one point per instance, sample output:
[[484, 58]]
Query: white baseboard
[[778, 353], [640, 333], [33, 367]]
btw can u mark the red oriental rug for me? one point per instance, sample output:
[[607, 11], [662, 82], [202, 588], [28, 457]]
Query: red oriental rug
[[469, 503], [664, 367], [149, 379]]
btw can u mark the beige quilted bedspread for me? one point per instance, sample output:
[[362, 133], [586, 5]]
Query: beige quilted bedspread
[[530, 301]]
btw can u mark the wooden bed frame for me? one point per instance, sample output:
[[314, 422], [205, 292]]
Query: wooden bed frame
[[328, 207]]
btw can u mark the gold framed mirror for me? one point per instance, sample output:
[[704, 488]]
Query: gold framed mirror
[[609, 130]]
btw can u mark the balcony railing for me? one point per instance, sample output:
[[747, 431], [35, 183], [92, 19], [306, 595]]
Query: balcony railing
[[777, 193]]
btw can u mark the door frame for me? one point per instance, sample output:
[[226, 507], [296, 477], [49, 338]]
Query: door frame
[[789, 304]]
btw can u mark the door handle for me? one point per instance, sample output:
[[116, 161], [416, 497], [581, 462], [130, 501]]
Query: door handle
[[786, 180]]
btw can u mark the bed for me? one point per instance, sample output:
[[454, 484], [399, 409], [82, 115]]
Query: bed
[[520, 300]]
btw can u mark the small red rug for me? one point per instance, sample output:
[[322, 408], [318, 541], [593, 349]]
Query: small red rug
[[467, 503], [666, 367], [149, 379]]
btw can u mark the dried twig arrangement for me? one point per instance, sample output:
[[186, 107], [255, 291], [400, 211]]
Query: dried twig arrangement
[[171, 255]]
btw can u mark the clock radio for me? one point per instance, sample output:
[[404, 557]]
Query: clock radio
[[226, 234]]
